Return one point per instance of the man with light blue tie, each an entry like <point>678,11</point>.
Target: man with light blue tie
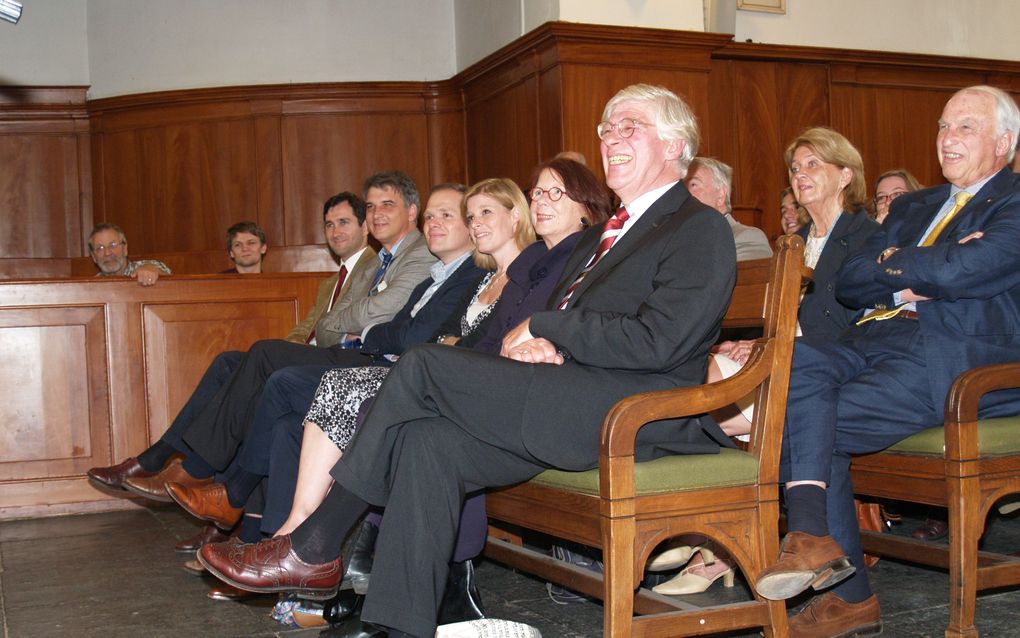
<point>938,286</point>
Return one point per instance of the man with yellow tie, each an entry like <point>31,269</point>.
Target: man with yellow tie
<point>939,288</point>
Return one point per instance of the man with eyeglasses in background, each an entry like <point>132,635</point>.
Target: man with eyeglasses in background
<point>108,247</point>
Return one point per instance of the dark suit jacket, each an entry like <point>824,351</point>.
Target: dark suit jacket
<point>643,319</point>
<point>821,314</point>
<point>404,331</point>
<point>974,316</point>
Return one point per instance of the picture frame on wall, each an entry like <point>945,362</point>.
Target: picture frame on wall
<point>766,6</point>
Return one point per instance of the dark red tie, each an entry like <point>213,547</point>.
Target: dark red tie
<point>340,277</point>
<point>609,235</point>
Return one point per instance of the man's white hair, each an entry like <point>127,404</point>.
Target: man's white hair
<point>674,119</point>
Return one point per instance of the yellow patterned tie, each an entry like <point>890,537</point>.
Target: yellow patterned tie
<point>961,200</point>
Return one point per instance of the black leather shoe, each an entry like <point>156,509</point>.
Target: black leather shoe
<point>345,604</point>
<point>358,558</point>
<point>461,600</point>
<point>932,530</point>
<point>354,628</point>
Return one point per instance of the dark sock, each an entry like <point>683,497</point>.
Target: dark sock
<point>855,589</point>
<point>154,458</point>
<point>250,529</point>
<point>196,466</point>
<point>805,510</point>
<point>240,486</point>
<point>318,540</point>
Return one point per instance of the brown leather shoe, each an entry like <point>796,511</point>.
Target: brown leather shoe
<point>208,534</point>
<point>154,487</point>
<point>829,616</point>
<point>115,475</point>
<point>804,561</point>
<point>207,502</point>
<point>931,530</point>
<point>271,566</point>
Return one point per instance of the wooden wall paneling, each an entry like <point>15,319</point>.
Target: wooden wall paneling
<point>55,415</point>
<point>758,172</point>
<point>181,339</point>
<point>444,112</point>
<point>35,268</point>
<point>502,133</point>
<point>502,119</point>
<point>551,131</point>
<point>324,154</point>
<point>130,188</point>
<point>211,183</point>
<point>804,100</point>
<point>269,171</point>
<point>41,201</point>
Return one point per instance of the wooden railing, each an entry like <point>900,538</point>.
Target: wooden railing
<point>94,370</point>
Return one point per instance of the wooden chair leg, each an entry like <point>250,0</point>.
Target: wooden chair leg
<point>768,552</point>
<point>618,559</point>
<point>965,528</point>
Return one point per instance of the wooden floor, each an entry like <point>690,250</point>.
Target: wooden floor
<point>116,575</point>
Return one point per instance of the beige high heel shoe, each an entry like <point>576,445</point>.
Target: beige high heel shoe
<point>672,558</point>
<point>688,583</point>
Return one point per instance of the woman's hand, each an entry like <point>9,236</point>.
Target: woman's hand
<point>739,351</point>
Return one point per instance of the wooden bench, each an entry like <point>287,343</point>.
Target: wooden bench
<point>627,508</point>
<point>966,466</point>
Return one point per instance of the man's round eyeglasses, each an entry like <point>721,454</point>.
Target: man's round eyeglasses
<point>624,128</point>
<point>554,194</point>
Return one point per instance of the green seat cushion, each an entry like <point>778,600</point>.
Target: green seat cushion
<point>676,473</point>
<point>995,436</point>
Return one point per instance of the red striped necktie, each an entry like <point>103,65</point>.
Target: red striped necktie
<point>609,234</point>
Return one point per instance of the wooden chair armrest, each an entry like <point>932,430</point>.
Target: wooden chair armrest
<point>619,431</point>
<point>960,423</point>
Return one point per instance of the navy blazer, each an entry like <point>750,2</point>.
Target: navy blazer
<point>404,331</point>
<point>973,317</point>
<point>821,314</point>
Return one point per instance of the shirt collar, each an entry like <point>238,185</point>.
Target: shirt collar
<point>643,202</point>
<point>440,271</point>
<point>396,247</point>
<point>973,188</point>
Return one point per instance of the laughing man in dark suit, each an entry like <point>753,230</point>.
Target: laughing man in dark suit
<point>638,316</point>
<point>956,287</point>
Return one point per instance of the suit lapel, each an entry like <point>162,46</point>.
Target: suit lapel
<point>990,192</point>
<point>834,251</point>
<point>656,214</point>
<point>919,215</point>
<point>367,263</point>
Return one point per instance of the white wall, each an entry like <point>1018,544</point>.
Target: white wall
<point>483,26</point>
<point>147,45</point>
<point>133,46</point>
<point>49,46</point>
<point>969,28</point>
<point>682,15</point>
